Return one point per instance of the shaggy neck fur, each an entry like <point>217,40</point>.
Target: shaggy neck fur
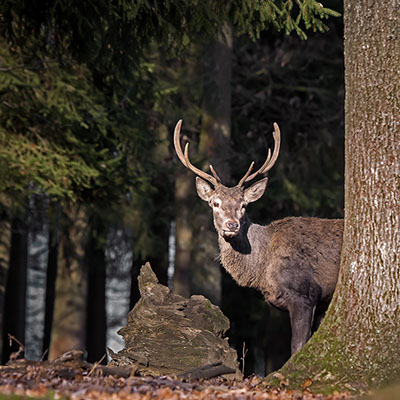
<point>238,256</point>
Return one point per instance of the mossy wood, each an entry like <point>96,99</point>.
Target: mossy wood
<point>357,347</point>
<point>168,334</point>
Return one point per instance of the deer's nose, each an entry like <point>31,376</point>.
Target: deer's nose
<point>232,226</point>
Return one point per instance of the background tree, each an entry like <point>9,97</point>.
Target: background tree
<point>357,345</point>
<point>5,246</point>
<point>96,319</point>
<point>69,327</point>
<point>15,296</point>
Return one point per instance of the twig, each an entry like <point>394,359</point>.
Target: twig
<point>244,352</point>
<point>12,337</point>
<point>44,355</point>
<point>14,356</point>
<point>96,364</point>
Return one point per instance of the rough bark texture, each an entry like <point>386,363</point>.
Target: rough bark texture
<point>358,344</point>
<point>71,285</point>
<point>167,334</point>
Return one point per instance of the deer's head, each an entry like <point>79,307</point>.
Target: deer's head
<point>228,203</point>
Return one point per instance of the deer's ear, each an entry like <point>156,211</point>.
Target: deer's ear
<point>204,190</point>
<point>255,191</point>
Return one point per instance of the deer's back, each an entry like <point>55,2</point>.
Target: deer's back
<point>300,248</point>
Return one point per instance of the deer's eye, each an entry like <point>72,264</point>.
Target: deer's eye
<point>215,204</point>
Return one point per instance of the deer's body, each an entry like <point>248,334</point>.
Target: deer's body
<point>294,262</point>
<point>289,260</point>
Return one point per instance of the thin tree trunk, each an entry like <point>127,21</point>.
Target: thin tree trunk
<point>96,321</point>
<point>15,296</point>
<point>214,148</point>
<point>358,344</point>
<point>68,329</point>
<point>184,233</point>
<point>50,286</point>
<point>5,247</point>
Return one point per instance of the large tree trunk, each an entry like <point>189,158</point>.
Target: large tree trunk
<point>68,329</point>
<point>358,346</point>
<point>15,296</point>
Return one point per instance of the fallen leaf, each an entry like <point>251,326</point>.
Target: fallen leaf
<point>307,383</point>
<point>283,381</point>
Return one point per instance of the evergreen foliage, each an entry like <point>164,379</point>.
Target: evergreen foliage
<point>77,93</point>
<point>252,17</point>
<point>59,133</point>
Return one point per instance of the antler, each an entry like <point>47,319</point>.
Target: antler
<point>184,157</point>
<point>269,162</point>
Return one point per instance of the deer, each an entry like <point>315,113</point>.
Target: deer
<point>293,261</point>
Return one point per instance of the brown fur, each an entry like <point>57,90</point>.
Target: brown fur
<point>294,262</point>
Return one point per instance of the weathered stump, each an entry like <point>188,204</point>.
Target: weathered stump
<point>167,334</point>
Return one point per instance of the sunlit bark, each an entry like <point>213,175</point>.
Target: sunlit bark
<point>358,344</point>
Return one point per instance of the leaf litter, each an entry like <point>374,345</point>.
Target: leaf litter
<point>44,380</point>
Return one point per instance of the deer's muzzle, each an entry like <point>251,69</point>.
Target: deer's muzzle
<point>231,228</point>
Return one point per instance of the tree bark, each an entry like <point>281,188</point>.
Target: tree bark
<point>68,329</point>
<point>357,346</point>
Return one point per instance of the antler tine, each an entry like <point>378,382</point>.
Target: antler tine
<point>177,144</point>
<point>246,174</point>
<point>270,161</point>
<point>185,157</point>
<point>197,171</point>
<point>277,139</point>
<point>215,174</point>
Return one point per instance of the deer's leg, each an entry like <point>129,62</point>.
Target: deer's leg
<point>301,318</point>
<point>305,294</point>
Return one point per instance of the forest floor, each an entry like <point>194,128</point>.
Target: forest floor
<point>41,380</point>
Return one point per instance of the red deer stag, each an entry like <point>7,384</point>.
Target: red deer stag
<point>294,261</point>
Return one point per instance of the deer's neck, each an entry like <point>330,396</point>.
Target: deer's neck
<point>238,255</point>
